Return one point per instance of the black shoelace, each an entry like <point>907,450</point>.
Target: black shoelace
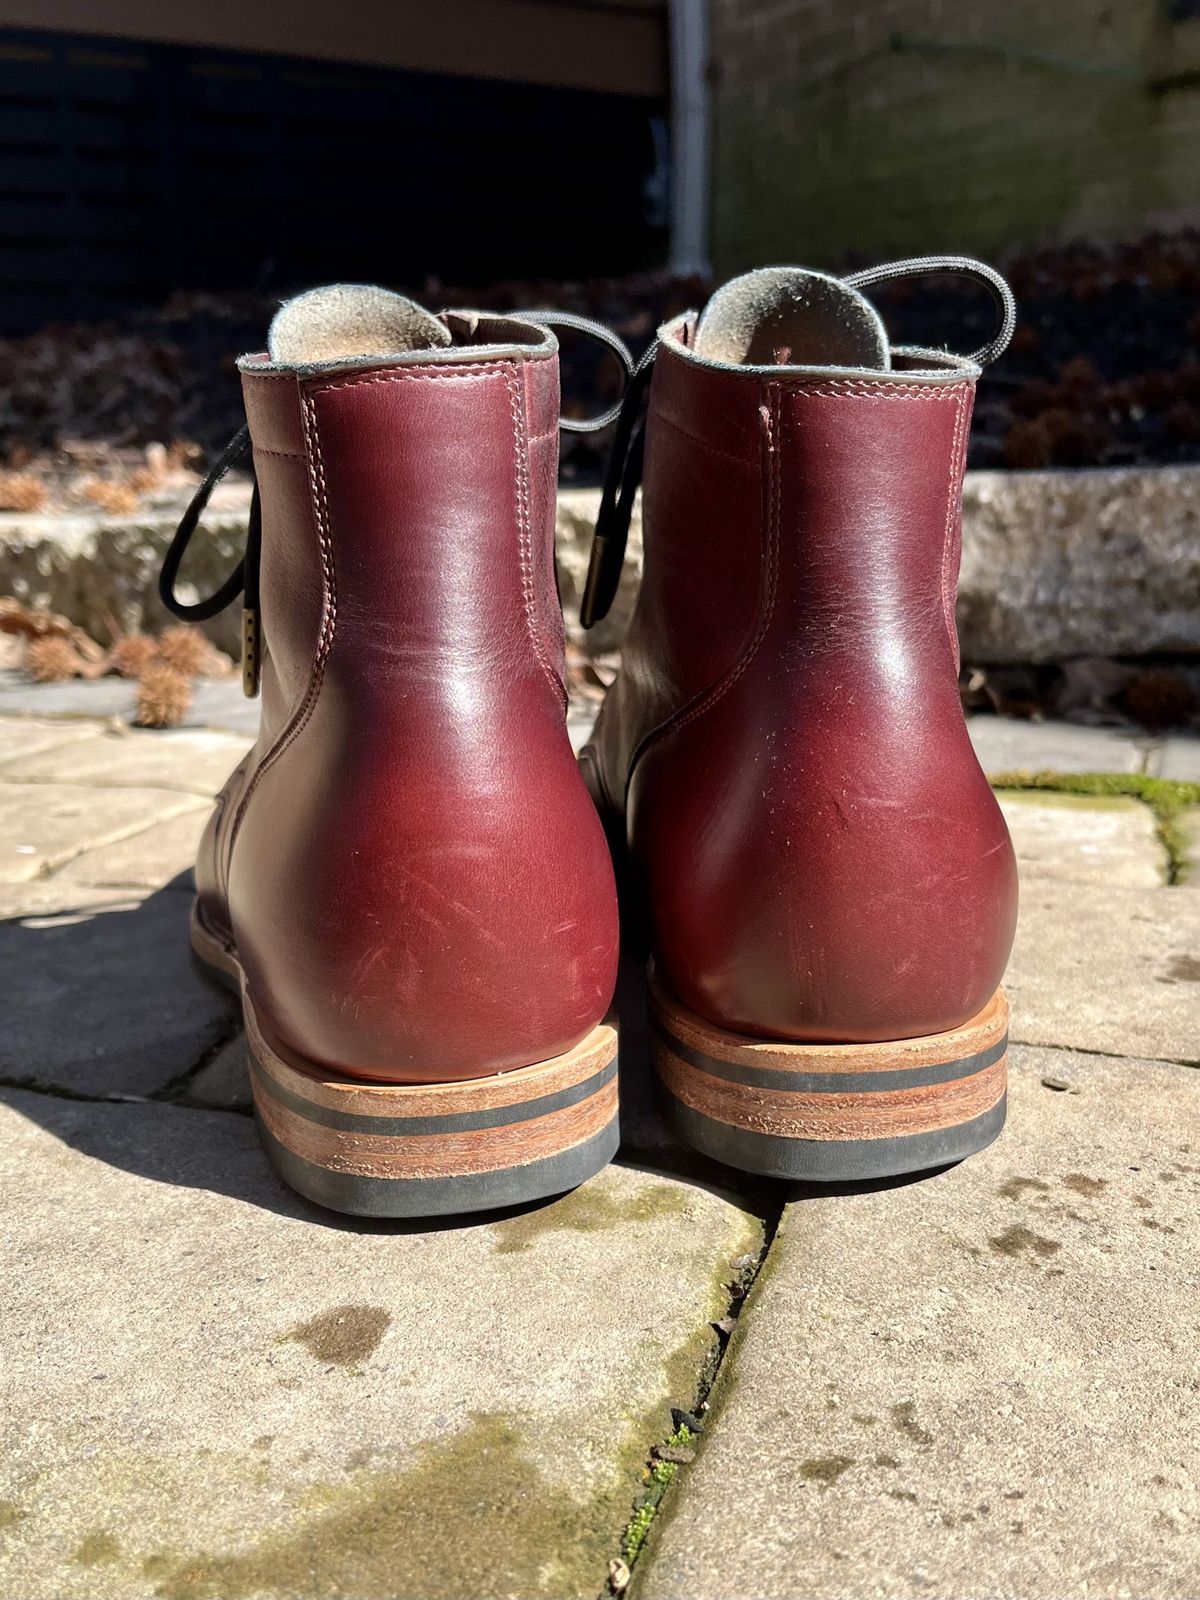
<point>243,580</point>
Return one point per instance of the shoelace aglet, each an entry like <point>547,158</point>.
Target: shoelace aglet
<point>251,654</point>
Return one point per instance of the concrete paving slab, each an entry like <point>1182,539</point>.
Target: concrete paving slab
<point>217,703</point>
<point>51,897</point>
<point>980,1384</point>
<point>1082,839</point>
<point>214,1391</point>
<point>1109,969</point>
<point>1179,758</point>
<point>105,999</point>
<point>581,718</point>
<point>45,825</point>
<point>220,703</point>
<point>28,736</point>
<point>1189,828</point>
<point>1006,745</point>
<point>196,761</point>
<point>224,1084</point>
<point>159,857</point>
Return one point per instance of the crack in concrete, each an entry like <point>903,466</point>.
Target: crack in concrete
<point>151,785</point>
<point>167,1094</point>
<point>1165,798</point>
<point>170,1092</point>
<point>65,858</point>
<point>56,1091</point>
<point>1107,1055</point>
<point>663,1472</point>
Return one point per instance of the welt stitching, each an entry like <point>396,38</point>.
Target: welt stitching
<point>525,532</point>
<point>957,454</point>
<point>711,697</point>
<point>329,615</point>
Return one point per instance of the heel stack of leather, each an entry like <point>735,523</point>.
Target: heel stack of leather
<point>831,1113</point>
<point>418,1150</point>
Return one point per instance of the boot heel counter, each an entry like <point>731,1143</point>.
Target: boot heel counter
<point>854,897</point>
<point>395,931</point>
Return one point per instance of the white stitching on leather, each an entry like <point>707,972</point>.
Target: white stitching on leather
<point>777,392</point>
<point>957,461</point>
<point>525,532</point>
<point>319,501</point>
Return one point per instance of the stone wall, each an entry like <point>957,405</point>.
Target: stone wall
<point>1055,565</point>
<point>917,125</point>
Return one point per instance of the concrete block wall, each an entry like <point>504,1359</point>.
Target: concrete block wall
<point>902,126</point>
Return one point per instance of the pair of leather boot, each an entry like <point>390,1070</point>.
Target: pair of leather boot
<point>409,877</point>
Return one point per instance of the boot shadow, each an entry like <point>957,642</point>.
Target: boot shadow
<point>109,1019</point>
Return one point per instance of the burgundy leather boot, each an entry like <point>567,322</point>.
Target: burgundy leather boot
<point>406,878</point>
<point>830,887</point>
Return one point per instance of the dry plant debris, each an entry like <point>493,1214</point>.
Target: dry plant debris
<point>163,696</point>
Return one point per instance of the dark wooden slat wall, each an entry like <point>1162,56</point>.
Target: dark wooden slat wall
<point>128,170</point>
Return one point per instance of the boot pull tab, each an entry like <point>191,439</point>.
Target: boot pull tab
<point>242,580</point>
<point>964,266</point>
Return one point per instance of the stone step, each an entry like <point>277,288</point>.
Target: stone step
<point>1055,564</point>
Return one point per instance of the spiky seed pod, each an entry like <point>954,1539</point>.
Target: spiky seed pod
<point>132,654</point>
<point>118,499</point>
<point>21,491</point>
<point>163,696</point>
<point>52,660</point>
<point>186,649</point>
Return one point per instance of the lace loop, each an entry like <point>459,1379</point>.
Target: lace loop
<point>243,580</point>
<point>202,610</point>
<point>602,335</point>
<point>965,266</point>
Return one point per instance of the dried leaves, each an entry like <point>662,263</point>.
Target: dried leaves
<point>1092,690</point>
<point>52,659</point>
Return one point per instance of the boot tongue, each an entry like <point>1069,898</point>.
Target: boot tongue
<point>785,316</point>
<point>351,320</point>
